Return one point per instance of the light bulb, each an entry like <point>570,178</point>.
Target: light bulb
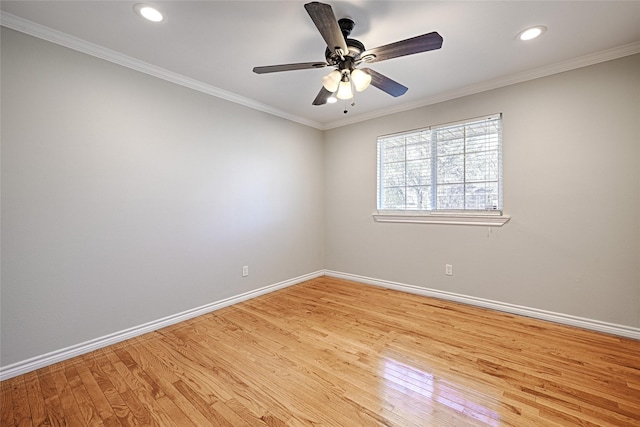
<point>344,90</point>
<point>361,79</point>
<point>149,12</point>
<point>532,33</point>
<point>331,81</point>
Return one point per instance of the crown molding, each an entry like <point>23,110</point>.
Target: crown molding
<point>536,73</point>
<point>54,36</point>
<point>40,31</point>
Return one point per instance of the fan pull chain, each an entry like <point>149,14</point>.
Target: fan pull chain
<point>353,102</point>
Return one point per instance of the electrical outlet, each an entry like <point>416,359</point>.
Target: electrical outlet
<point>245,271</point>
<point>448,269</point>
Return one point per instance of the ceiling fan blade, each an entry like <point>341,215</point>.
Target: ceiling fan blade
<point>288,67</point>
<point>418,44</point>
<point>322,97</point>
<point>322,15</point>
<point>385,84</point>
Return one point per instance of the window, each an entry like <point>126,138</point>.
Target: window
<point>448,169</point>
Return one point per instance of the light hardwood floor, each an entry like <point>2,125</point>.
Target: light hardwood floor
<point>337,353</point>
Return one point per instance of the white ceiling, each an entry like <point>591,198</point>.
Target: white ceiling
<point>213,45</point>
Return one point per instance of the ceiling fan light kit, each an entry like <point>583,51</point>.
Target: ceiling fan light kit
<point>346,54</point>
<point>332,80</point>
<point>344,89</point>
<point>361,79</point>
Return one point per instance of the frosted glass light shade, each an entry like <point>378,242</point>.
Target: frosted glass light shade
<point>361,79</point>
<point>331,81</point>
<point>344,90</point>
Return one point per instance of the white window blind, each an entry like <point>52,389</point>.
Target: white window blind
<point>452,167</point>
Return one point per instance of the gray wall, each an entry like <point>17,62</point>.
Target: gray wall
<point>571,186</point>
<point>126,198</point>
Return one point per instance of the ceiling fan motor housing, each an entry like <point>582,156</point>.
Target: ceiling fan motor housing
<point>355,49</point>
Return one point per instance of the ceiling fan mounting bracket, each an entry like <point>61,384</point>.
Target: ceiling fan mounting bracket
<point>346,26</point>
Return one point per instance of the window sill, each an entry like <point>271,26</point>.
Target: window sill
<point>491,220</point>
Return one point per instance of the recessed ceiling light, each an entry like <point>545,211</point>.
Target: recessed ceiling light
<point>148,12</point>
<point>531,33</point>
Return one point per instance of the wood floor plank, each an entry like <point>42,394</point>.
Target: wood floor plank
<point>88,412</point>
<point>73,413</point>
<point>145,393</point>
<point>334,352</point>
<point>20,410</point>
<point>53,406</point>
<point>276,384</point>
<point>280,375</point>
<point>94,392</point>
<point>118,405</point>
<point>139,411</point>
<point>6,402</point>
<point>206,408</point>
<point>36,401</point>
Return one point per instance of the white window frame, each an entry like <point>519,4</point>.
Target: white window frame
<point>493,216</point>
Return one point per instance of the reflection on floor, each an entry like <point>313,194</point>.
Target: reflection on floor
<point>412,391</point>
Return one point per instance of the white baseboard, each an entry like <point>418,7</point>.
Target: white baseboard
<point>47,359</point>
<point>565,319</point>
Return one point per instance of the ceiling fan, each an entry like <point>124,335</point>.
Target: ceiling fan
<point>345,54</point>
